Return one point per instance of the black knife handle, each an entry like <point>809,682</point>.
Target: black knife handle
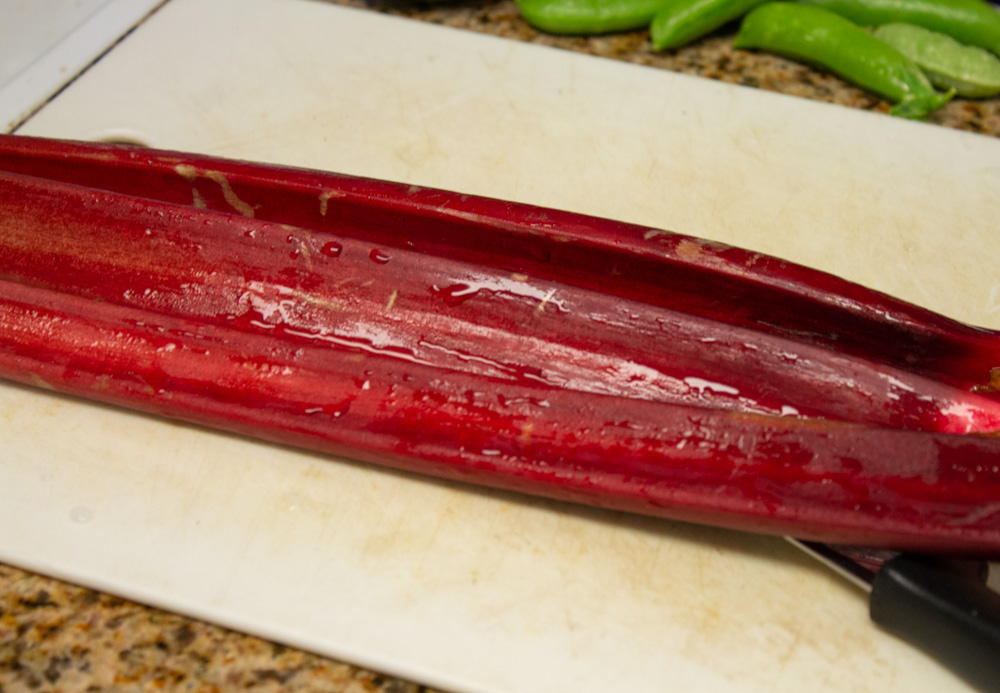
<point>945,608</point>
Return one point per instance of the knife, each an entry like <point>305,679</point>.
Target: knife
<point>942,606</point>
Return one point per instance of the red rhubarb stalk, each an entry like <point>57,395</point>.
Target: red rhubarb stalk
<point>502,344</point>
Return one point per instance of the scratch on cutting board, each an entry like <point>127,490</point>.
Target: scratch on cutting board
<point>994,302</point>
<point>418,149</point>
<point>499,83</point>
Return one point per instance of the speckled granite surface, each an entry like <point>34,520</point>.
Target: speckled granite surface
<point>58,637</point>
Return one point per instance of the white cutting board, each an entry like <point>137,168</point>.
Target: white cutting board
<point>44,45</point>
<point>464,589</point>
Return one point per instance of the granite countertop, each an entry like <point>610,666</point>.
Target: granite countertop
<point>59,637</point>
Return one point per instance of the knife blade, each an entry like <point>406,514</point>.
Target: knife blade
<point>943,606</point>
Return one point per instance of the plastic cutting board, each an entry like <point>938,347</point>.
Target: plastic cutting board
<point>465,589</point>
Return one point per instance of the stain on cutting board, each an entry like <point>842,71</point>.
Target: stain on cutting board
<point>518,554</point>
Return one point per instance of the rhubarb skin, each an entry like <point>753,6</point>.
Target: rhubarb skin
<point>500,344</point>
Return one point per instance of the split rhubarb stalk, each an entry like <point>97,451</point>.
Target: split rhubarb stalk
<point>501,344</point>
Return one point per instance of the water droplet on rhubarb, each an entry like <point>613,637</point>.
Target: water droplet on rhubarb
<point>455,294</point>
<point>332,249</point>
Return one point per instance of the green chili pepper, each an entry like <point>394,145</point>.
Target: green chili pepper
<point>823,38</point>
<point>588,16</point>
<point>680,22</point>
<point>970,71</point>
<point>972,22</point>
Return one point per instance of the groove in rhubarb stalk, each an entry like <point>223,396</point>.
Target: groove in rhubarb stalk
<point>263,277</point>
<point>507,345</point>
<point>697,464</point>
<point>689,274</point>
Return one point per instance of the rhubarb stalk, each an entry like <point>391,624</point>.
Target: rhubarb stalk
<point>497,343</point>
